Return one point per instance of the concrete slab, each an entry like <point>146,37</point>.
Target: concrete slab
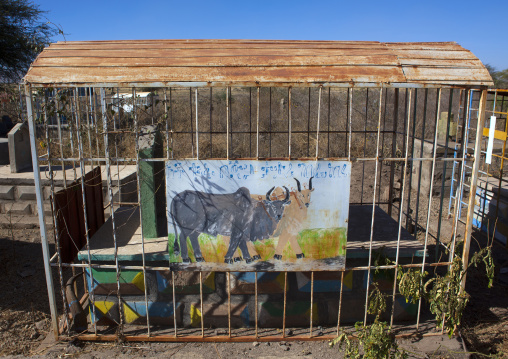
<point>129,241</point>
<point>27,177</point>
<point>26,193</point>
<point>7,192</point>
<point>4,151</point>
<point>19,208</point>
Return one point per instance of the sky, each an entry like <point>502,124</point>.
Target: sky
<point>475,25</point>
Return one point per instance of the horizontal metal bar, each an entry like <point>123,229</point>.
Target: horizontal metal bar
<point>255,84</point>
<point>171,267</point>
<point>224,338</point>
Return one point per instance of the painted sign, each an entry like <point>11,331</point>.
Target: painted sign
<point>258,215</point>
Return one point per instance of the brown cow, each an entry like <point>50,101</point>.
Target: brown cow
<point>292,221</point>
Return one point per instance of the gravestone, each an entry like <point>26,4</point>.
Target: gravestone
<point>152,187</point>
<point>20,155</point>
<point>443,124</point>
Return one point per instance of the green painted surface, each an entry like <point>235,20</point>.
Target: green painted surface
<point>109,275</point>
<point>147,190</point>
<point>151,187</point>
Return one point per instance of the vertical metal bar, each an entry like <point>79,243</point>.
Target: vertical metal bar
<point>270,124</point>
<point>94,108</point>
<point>311,301</point>
<point>373,206</point>
<point>382,144</point>
<point>197,123</point>
<point>250,121</point>
<point>59,129</point>
<point>289,123</point>
<point>422,142</point>
<point>318,118</point>
<point>229,304</point>
<point>256,302</point>
<point>402,196</point>
<point>430,197</point>
<point>166,122</point>
<point>227,123</point>
<point>347,121</point>
<point>257,124</point>
<point>171,122</point>
<point>174,301</point>
<point>340,301</point>
<point>54,215</point>
<point>211,122</point>
<point>350,116</point>
<point>394,150</point>
<point>285,304</point>
<point>408,213</point>
<point>87,233</point>
<point>474,177</point>
<point>440,219</point>
<point>364,141</point>
<point>201,302</point>
<point>40,211</point>
<point>308,127</point>
<point>116,126</point>
<point>329,105</point>
<point>136,130</point>
<point>191,129</point>
<point>112,211</point>
<point>87,112</point>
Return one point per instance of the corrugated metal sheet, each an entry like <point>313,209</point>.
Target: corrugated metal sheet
<point>238,62</point>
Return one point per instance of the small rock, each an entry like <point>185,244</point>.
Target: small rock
<point>267,344</point>
<point>40,324</point>
<point>287,348</point>
<point>255,344</point>
<point>34,336</point>
<point>320,333</point>
<point>289,332</point>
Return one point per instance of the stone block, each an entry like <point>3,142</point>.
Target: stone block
<point>46,206</point>
<point>185,282</point>
<point>324,282</point>
<point>217,315</point>
<point>268,282</point>
<point>26,193</point>
<point>7,192</point>
<point>4,151</point>
<point>20,155</point>
<point>18,208</point>
<point>47,191</point>
<point>443,126</point>
<point>297,313</point>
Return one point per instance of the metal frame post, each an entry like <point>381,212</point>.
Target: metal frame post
<point>40,210</point>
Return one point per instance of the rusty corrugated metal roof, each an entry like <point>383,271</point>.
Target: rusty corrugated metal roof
<point>237,62</point>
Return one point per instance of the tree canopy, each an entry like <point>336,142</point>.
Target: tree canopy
<point>24,32</point>
<point>500,77</point>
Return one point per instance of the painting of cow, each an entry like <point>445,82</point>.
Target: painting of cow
<point>236,214</point>
<point>292,222</point>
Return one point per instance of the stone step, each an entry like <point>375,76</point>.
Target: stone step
<point>22,222</point>
<point>7,192</point>
<point>16,208</point>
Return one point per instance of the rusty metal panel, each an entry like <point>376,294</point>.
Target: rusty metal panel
<point>296,74</point>
<point>70,216</point>
<point>262,61</point>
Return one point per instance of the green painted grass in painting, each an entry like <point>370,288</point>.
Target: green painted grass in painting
<point>315,244</point>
